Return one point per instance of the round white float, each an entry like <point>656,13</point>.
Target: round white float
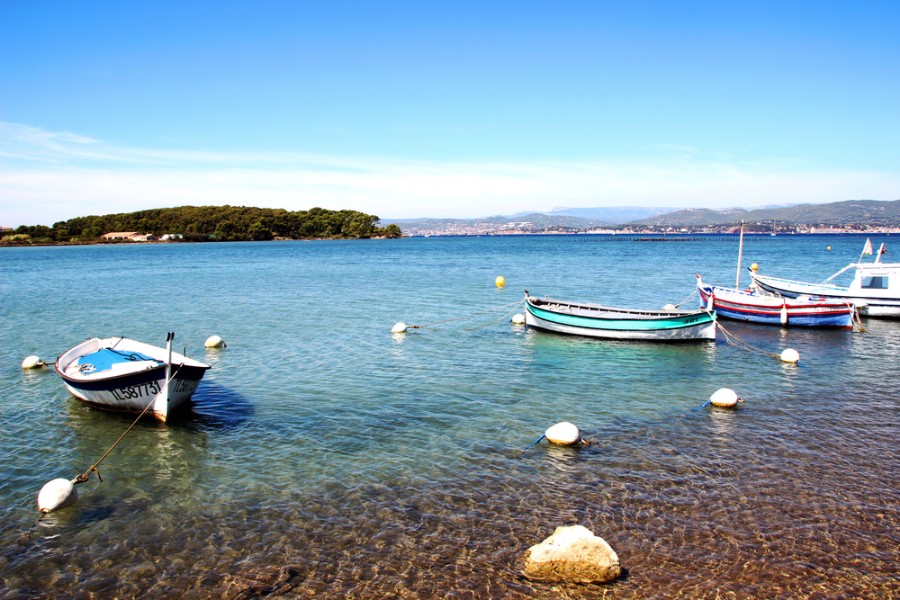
<point>790,356</point>
<point>563,434</point>
<point>518,319</point>
<point>214,341</point>
<point>725,398</point>
<point>56,494</point>
<point>399,327</point>
<point>33,362</point>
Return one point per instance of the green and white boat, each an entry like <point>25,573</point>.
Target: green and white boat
<point>594,320</point>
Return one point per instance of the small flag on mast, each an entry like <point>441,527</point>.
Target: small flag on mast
<point>867,249</point>
<point>881,251</point>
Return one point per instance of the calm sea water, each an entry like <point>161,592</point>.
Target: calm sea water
<point>325,457</point>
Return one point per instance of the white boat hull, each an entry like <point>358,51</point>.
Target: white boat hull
<point>597,321</point>
<point>144,380</point>
<point>869,302</point>
<point>753,307</point>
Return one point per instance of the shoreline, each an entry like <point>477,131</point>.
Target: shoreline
<point>644,236</point>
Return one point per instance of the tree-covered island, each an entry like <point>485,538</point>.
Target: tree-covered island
<point>208,224</point>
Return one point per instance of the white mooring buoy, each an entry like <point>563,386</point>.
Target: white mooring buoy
<point>56,494</point>
<point>518,319</point>
<point>790,356</point>
<point>563,434</point>
<point>33,362</point>
<point>725,398</point>
<point>214,341</point>
<point>399,327</point>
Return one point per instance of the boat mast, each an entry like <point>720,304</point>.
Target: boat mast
<point>737,282</point>
<point>169,337</point>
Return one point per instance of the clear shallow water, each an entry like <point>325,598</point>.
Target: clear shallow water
<point>325,457</point>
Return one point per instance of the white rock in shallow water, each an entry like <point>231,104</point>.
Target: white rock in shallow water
<point>563,434</point>
<point>573,554</point>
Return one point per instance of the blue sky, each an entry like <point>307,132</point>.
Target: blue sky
<point>444,109</point>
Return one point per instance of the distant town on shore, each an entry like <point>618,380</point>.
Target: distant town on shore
<point>230,223</point>
<point>851,216</point>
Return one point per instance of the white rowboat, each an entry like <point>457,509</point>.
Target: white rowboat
<point>124,375</point>
<point>594,320</point>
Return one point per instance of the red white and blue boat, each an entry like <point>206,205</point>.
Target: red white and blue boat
<point>875,288</point>
<point>124,375</point>
<point>755,306</point>
<point>594,320</point>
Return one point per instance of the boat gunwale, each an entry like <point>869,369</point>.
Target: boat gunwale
<point>794,305</point>
<point>667,326</point>
<point>97,377</point>
<point>626,313</point>
<point>834,292</point>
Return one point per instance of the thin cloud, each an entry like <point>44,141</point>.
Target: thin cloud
<point>53,176</point>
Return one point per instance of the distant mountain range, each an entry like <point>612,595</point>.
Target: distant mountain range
<point>847,213</point>
<point>615,215</point>
<point>873,213</point>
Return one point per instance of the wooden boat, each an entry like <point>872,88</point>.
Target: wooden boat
<point>754,306</point>
<point>124,375</point>
<point>875,289</point>
<point>593,320</point>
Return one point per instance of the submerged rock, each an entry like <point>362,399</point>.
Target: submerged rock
<point>572,555</point>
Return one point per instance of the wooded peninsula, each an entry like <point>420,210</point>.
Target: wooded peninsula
<point>208,224</point>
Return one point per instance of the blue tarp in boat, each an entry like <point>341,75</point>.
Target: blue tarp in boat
<point>105,358</point>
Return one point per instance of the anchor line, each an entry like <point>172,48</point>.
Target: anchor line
<point>94,467</point>
<point>514,305</point>
<point>502,318</point>
<point>856,319</point>
<point>734,340</point>
<point>688,299</point>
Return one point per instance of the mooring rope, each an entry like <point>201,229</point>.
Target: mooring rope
<point>534,443</point>
<point>855,319</point>
<point>94,467</point>
<point>470,315</point>
<point>734,340</point>
<point>504,317</point>
<point>688,299</point>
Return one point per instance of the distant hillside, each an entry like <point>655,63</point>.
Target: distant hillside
<point>537,220</point>
<point>212,223</point>
<point>612,215</point>
<point>850,212</point>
